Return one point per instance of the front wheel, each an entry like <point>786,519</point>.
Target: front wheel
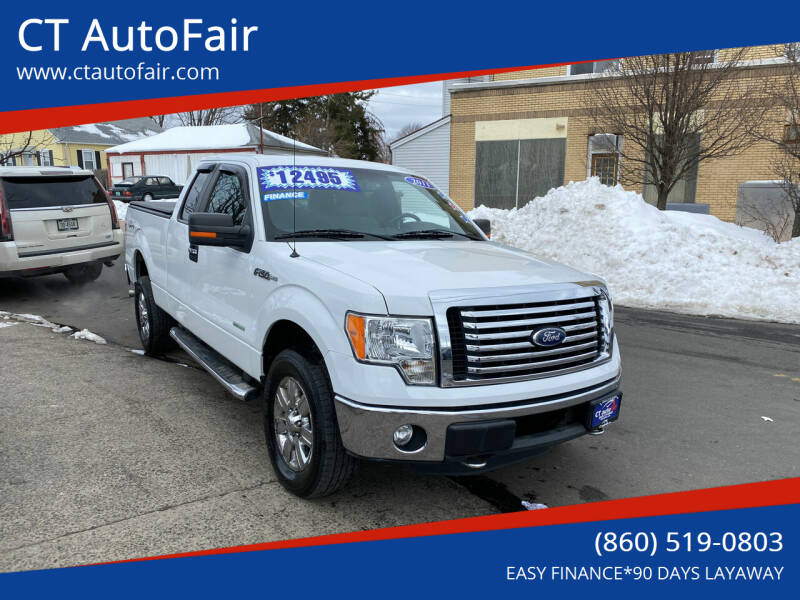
<point>300,425</point>
<point>83,273</point>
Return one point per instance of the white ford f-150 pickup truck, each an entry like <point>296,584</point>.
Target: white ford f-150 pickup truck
<point>373,318</point>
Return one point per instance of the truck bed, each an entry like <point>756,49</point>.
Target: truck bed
<point>160,209</point>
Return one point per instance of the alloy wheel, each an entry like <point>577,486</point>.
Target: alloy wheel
<point>294,434</point>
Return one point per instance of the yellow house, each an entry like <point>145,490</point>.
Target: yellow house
<point>515,135</point>
<point>77,146</point>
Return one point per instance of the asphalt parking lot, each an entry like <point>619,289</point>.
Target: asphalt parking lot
<point>106,454</point>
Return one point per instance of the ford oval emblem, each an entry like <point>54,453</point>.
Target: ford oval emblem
<point>549,336</point>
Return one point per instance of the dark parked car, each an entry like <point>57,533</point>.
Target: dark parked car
<point>145,187</point>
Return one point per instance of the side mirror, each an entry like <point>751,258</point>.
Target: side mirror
<point>485,225</point>
<point>215,229</point>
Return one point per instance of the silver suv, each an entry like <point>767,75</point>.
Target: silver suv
<point>56,220</point>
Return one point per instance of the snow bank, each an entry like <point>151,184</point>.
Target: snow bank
<point>669,260</point>
<point>85,334</point>
<point>8,318</point>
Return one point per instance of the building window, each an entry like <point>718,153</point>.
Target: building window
<point>604,157</point>
<point>598,66</point>
<point>28,159</point>
<point>127,170</point>
<point>510,173</point>
<point>46,158</point>
<point>791,134</point>
<point>684,191</point>
<point>88,160</point>
<point>604,167</point>
<point>705,57</point>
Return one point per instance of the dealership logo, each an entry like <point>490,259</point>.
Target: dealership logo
<point>549,336</point>
<point>607,409</point>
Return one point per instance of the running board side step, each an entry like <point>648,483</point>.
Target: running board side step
<point>222,370</point>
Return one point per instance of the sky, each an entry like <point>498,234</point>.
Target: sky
<point>398,106</point>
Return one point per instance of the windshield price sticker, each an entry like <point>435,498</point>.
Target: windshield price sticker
<point>289,177</point>
<point>420,182</point>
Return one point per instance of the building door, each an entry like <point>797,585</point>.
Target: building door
<point>127,170</point>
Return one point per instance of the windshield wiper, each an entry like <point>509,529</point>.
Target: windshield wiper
<point>329,233</point>
<point>430,233</point>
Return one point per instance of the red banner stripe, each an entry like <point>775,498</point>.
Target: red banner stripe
<point>61,116</point>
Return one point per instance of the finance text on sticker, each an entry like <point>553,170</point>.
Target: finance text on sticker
<point>285,196</point>
<point>289,177</point>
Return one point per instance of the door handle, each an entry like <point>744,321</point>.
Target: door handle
<point>193,250</point>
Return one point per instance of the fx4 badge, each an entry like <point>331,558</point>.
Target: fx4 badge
<point>265,275</point>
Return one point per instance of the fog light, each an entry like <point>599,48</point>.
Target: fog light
<point>403,435</point>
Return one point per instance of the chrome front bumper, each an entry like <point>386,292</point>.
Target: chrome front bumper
<point>367,430</point>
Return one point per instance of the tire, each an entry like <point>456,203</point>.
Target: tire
<point>147,198</point>
<point>324,467</point>
<point>83,273</point>
<point>152,323</point>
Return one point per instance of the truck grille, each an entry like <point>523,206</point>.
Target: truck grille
<point>493,342</point>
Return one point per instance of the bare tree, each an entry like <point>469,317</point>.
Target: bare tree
<point>15,146</point>
<point>783,130</point>
<point>211,116</point>
<point>159,120</point>
<point>408,129</point>
<point>675,111</point>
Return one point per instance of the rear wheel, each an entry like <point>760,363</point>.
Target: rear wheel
<point>152,322</point>
<point>300,425</point>
<point>83,273</point>
<point>147,197</point>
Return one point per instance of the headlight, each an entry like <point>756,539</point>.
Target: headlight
<point>407,344</point>
<point>606,317</point>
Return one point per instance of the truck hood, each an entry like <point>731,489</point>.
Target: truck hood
<point>406,272</point>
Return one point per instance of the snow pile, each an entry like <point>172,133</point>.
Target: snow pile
<point>669,260</point>
<point>8,318</point>
<point>27,318</point>
<point>85,334</point>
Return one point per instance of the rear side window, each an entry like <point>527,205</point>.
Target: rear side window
<point>51,192</point>
<point>193,195</point>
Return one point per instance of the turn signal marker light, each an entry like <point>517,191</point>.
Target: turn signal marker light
<point>355,331</point>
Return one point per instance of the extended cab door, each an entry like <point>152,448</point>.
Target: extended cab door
<point>219,281</point>
<point>180,265</point>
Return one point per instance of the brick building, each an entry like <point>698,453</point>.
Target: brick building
<point>519,134</point>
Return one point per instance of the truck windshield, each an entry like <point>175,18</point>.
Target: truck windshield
<point>338,203</point>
